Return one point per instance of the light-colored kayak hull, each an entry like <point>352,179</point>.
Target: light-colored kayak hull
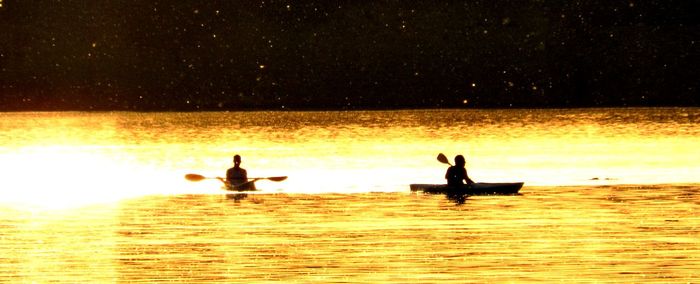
<point>480,188</point>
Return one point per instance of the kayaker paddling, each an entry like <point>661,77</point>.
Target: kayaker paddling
<point>455,189</point>
<point>237,177</point>
<point>457,174</point>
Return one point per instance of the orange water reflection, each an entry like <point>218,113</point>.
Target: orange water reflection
<point>100,197</point>
<point>71,159</point>
<point>581,234</point>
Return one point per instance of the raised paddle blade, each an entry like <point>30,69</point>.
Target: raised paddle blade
<point>276,178</point>
<point>194,177</point>
<point>441,157</point>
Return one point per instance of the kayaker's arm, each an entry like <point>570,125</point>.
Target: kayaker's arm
<point>466,178</point>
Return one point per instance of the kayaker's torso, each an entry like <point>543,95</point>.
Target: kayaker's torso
<point>455,175</point>
<point>236,176</point>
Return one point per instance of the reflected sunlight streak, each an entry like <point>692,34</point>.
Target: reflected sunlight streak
<point>64,160</point>
<point>64,177</point>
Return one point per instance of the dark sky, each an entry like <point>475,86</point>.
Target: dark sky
<point>227,54</point>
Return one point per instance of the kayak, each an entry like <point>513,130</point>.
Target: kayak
<point>479,188</point>
<point>248,186</point>
<point>236,189</point>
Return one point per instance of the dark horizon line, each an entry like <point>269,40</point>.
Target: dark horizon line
<point>321,109</point>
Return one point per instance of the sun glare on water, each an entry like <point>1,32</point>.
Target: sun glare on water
<point>70,160</point>
<point>64,178</point>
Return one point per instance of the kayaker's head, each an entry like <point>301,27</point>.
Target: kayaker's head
<point>237,160</point>
<point>459,161</point>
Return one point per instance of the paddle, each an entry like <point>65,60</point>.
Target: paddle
<point>196,177</point>
<point>443,159</point>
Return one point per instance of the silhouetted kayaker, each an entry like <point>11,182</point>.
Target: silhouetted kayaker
<point>238,177</point>
<point>458,173</point>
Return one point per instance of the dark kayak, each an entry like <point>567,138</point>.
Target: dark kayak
<point>480,188</point>
<point>248,186</point>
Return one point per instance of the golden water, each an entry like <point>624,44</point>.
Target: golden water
<point>611,195</point>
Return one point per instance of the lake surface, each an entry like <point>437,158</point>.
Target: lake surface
<point>611,195</point>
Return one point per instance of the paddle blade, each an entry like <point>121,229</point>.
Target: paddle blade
<point>194,177</point>
<point>441,157</point>
<point>277,178</point>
